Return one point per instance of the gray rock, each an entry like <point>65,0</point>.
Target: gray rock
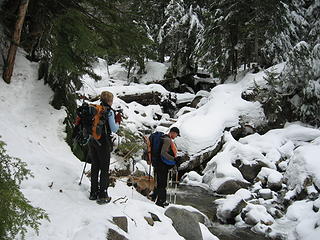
<point>265,194</point>
<point>231,186</point>
<point>229,217</point>
<point>249,172</point>
<point>195,101</point>
<point>154,217</point>
<point>114,235</point>
<point>276,186</point>
<point>149,220</point>
<point>200,218</point>
<point>185,222</point>
<point>121,222</point>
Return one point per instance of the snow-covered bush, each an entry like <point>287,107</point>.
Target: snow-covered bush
<point>295,93</point>
<point>300,80</point>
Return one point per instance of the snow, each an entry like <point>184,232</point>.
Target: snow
<point>34,132</point>
<point>227,205</point>
<point>304,164</point>
<point>257,214</point>
<point>222,110</point>
<point>155,72</point>
<point>206,234</point>
<point>219,170</point>
<point>271,175</point>
<point>306,219</point>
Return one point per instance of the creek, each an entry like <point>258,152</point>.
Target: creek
<point>202,200</point>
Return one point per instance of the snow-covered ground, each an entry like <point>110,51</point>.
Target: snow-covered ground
<point>34,132</point>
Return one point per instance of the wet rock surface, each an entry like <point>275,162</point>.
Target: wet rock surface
<point>203,200</point>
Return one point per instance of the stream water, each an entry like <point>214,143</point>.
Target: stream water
<point>202,200</point>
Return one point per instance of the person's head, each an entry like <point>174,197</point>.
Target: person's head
<point>106,97</point>
<point>174,132</point>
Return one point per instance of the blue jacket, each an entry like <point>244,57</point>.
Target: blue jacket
<point>112,123</point>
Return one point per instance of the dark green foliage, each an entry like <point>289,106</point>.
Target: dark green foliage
<point>130,144</point>
<point>16,211</point>
<point>179,35</point>
<point>243,32</point>
<point>276,106</point>
<point>301,80</point>
<point>295,93</point>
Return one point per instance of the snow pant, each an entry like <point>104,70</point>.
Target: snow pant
<point>100,155</point>
<point>162,176</point>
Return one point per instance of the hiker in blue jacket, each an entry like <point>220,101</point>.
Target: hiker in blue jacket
<point>100,150</point>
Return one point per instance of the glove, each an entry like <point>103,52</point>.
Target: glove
<point>118,118</point>
<point>178,161</point>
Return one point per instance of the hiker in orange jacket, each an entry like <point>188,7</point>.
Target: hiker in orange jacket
<point>100,150</point>
<point>168,160</point>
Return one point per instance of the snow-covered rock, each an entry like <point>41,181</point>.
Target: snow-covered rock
<point>272,178</point>
<point>232,205</point>
<point>253,214</point>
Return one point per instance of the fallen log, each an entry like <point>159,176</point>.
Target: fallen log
<point>144,99</point>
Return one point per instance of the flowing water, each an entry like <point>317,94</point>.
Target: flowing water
<point>202,200</point>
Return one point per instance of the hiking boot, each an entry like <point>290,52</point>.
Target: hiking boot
<point>93,196</point>
<point>162,204</point>
<point>103,200</point>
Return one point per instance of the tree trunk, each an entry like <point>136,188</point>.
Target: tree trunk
<point>15,41</point>
<point>256,47</point>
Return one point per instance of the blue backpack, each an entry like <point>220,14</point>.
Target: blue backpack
<point>156,140</point>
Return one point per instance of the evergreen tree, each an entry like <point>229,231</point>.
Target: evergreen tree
<point>273,101</point>
<point>287,27</point>
<point>313,16</point>
<point>152,17</point>
<point>301,80</point>
<point>181,30</point>
<point>16,211</point>
<point>224,30</point>
<point>241,32</point>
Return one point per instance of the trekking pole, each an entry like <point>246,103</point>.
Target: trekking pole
<point>175,188</point>
<point>170,176</point>
<point>84,168</point>
<point>168,183</point>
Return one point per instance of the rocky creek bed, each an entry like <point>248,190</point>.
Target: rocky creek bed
<point>202,200</point>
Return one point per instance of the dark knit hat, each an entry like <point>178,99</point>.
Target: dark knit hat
<point>176,130</point>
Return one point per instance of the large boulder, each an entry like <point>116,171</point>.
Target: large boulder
<point>185,222</point>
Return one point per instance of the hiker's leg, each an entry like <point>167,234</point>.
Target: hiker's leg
<point>94,169</point>
<point>155,190</point>
<point>104,162</point>
<point>162,175</point>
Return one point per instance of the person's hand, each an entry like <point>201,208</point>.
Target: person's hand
<point>118,118</point>
<point>178,160</point>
